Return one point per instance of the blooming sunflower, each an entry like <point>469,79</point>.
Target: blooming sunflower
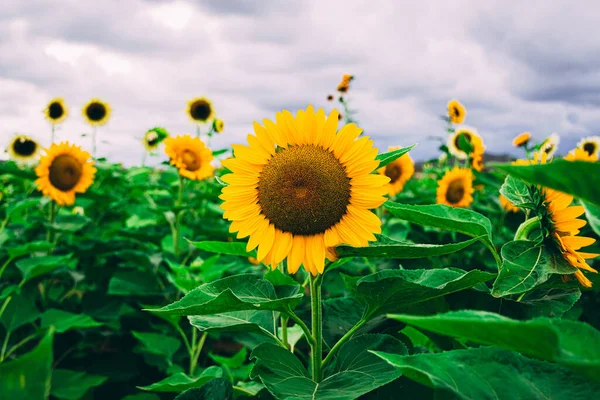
<point>456,188</point>
<point>96,112</point>
<point>218,125</point>
<point>199,109</point>
<point>399,172</point>
<point>301,188</point>
<point>23,149</point>
<point>591,145</point>
<point>344,85</point>
<point>456,112</point>
<point>64,170</point>
<point>154,137</point>
<point>56,111</point>
<point>522,139</point>
<point>507,205</point>
<point>470,135</point>
<point>190,155</point>
<point>550,145</point>
<point>580,154</point>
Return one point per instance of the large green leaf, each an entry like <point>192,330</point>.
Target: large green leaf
<point>218,388</point>
<point>230,248</point>
<point>391,156</point>
<point>19,311</point>
<point>28,377</point>
<point>527,265</point>
<point>493,373</point>
<point>29,248</point>
<point>180,381</point>
<point>133,283</point>
<point>592,213</point>
<point>390,290</point>
<point>544,302</point>
<point>516,191</point>
<point>234,293</point>
<point>63,320</point>
<point>575,344</point>
<point>160,345</point>
<point>564,176</point>
<point>36,266</point>
<point>73,385</point>
<point>263,322</point>
<point>354,372</point>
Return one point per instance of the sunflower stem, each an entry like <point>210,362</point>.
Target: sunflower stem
<point>526,228</point>
<point>51,218</point>
<point>317,327</point>
<point>284,318</point>
<point>343,340</point>
<point>197,130</point>
<point>94,142</point>
<point>52,135</point>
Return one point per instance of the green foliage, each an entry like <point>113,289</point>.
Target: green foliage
<point>386,158</point>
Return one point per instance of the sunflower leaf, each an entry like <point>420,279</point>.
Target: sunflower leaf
<point>229,248</point>
<point>517,192</point>
<point>592,213</point>
<point>180,381</point>
<point>391,156</point>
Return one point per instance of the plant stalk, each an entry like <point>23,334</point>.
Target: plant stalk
<point>178,217</point>
<point>526,227</point>
<point>51,218</point>
<point>317,327</point>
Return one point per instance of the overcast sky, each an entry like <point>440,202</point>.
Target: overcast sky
<point>517,66</point>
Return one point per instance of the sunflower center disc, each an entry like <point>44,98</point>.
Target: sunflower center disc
<point>191,161</point>
<point>200,110</point>
<point>24,147</point>
<point>393,171</point>
<point>455,192</point>
<point>65,172</point>
<point>55,111</point>
<point>589,148</point>
<point>96,111</point>
<point>304,190</point>
<point>456,112</point>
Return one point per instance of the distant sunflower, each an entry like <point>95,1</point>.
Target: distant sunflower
<point>56,111</point>
<point>64,171</point>
<point>218,125</point>
<point>96,112</point>
<point>191,156</point>
<point>399,172</point>
<point>550,145</point>
<point>471,136</point>
<point>23,149</point>
<point>344,84</point>
<point>591,145</point>
<point>301,187</point>
<point>456,188</point>
<point>477,154</point>
<point>522,139</point>
<point>456,112</point>
<point>507,205</point>
<point>199,109</point>
<point>580,154</point>
<point>154,137</point>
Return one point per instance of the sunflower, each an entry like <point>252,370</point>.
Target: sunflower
<point>96,112</point>
<point>23,149</point>
<point>344,85</point>
<point>456,112</point>
<point>66,169</point>
<point>154,137</point>
<point>580,154</point>
<point>477,153</point>
<point>591,145</point>
<point>550,145</point>
<point>56,111</point>
<point>456,188</point>
<point>507,205</point>
<point>218,125</point>
<point>301,188</point>
<point>399,172</point>
<point>522,139</point>
<point>199,109</point>
<point>454,140</point>
<point>190,156</point>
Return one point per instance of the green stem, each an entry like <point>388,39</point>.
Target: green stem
<point>302,326</point>
<point>21,343</point>
<point>343,340</point>
<point>526,227</point>
<point>5,304</point>
<point>52,135</point>
<point>317,327</point>
<point>284,330</point>
<point>186,342</point>
<point>4,346</point>
<point>197,130</point>
<point>5,265</point>
<point>94,142</point>
<point>192,351</point>
<point>198,347</point>
<point>178,217</point>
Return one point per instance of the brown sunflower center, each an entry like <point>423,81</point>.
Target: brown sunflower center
<point>24,147</point>
<point>191,160</point>
<point>304,190</point>
<point>590,148</point>
<point>456,112</point>
<point>200,110</point>
<point>455,191</point>
<point>458,137</point>
<point>548,149</point>
<point>55,110</point>
<point>95,111</point>
<point>393,171</point>
<point>65,172</point>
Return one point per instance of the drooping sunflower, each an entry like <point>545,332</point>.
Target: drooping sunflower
<point>96,112</point>
<point>199,109</point>
<point>190,155</point>
<point>344,84</point>
<point>580,154</point>
<point>56,111</point>
<point>456,112</point>
<point>456,188</point>
<point>154,137</point>
<point>301,187</point>
<point>522,139</point>
<point>64,170</point>
<point>471,136</point>
<point>218,125</point>
<point>591,145</point>
<point>399,172</point>
<point>550,145</point>
<point>23,149</point>
<point>507,205</point>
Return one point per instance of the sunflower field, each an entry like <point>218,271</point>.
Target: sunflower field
<point>302,264</point>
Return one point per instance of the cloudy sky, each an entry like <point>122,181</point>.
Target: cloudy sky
<point>517,66</point>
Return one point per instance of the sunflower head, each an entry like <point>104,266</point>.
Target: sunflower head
<point>64,170</point>
<point>461,136</point>
<point>507,205</point>
<point>218,125</point>
<point>23,149</point>
<point>399,171</point>
<point>522,139</point>
<point>456,188</point>
<point>96,112</point>
<point>154,137</point>
<point>590,145</point>
<point>199,109</point>
<point>56,111</point>
<point>301,187</point>
<point>550,145</point>
<point>456,112</point>
<point>579,154</point>
<point>344,84</point>
<point>190,155</point>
